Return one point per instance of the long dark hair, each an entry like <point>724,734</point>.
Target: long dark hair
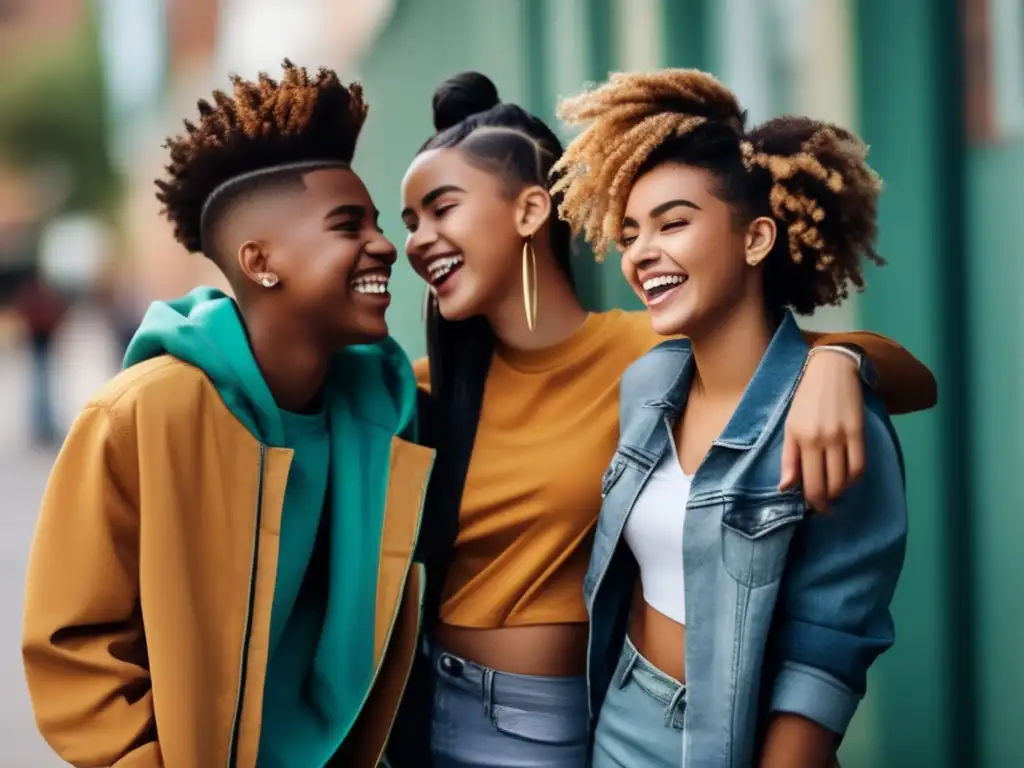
<point>504,139</point>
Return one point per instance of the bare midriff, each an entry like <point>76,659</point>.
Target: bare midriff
<point>549,650</point>
<point>658,638</point>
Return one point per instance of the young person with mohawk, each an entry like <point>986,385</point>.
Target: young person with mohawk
<point>222,570</point>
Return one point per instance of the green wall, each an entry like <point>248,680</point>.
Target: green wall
<point>952,228</point>
<point>901,47</point>
<point>996,360</point>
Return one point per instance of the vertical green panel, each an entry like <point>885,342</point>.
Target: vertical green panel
<point>687,33</point>
<point>603,48</point>
<point>996,445</point>
<point>602,55</point>
<point>535,20</point>
<point>904,56</point>
<point>538,22</point>
<point>612,290</point>
<point>422,44</point>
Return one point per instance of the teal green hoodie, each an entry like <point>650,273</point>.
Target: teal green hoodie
<point>321,663</point>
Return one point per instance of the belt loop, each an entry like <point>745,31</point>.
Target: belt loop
<point>487,683</point>
<point>634,654</point>
<point>673,703</point>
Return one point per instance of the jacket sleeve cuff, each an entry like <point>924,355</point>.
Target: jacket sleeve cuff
<point>816,695</point>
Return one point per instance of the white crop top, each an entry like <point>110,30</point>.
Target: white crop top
<point>654,533</point>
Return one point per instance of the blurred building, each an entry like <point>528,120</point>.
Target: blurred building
<point>937,89</point>
<point>24,23</point>
<point>24,199</point>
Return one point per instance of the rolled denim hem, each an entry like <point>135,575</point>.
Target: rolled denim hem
<point>816,695</point>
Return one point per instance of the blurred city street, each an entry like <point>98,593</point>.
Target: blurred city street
<point>83,360</point>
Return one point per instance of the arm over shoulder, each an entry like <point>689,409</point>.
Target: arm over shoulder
<point>904,383</point>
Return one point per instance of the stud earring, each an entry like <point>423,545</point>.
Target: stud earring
<point>268,279</point>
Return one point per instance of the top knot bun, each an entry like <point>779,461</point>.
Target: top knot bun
<point>461,96</point>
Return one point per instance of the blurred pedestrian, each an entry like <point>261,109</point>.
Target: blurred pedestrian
<point>42,310</point>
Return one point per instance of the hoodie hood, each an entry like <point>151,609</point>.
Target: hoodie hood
<point>204,328</point>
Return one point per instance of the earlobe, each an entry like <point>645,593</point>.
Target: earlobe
<point>533,207</point>
<point>253,262</point>
<point>760,240</point>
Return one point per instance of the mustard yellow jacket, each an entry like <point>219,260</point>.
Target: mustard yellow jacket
<point>199,567</point>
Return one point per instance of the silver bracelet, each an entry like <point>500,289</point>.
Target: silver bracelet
<point>835,348</point>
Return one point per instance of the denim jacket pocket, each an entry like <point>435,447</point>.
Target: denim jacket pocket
<point>567,726</point>
<point>755,537</point>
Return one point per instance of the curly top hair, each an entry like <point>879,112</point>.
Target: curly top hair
<point>811,177</point>
<point>262,125</point>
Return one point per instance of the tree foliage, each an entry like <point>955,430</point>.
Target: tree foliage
<point>52,109</point>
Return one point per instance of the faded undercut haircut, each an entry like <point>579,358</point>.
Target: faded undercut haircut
<point>262,126</point>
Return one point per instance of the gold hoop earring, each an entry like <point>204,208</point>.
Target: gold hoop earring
<point>530,283</point>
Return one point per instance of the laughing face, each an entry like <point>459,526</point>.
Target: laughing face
<point>462,235</point>
<point>332,259</point>
<point>682,251</point>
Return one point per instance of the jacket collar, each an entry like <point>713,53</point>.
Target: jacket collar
<point>769,391</point>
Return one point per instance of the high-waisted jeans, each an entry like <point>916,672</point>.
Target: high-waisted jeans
<point>484,718</point>
<point>641,719</point>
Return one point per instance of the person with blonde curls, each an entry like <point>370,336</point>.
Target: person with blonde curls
<point>729,627</point>
<point>524,387</point>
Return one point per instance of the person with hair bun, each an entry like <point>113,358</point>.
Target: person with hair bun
<point>729,626</point>
<point>524,390</point>
<point>222,569</point>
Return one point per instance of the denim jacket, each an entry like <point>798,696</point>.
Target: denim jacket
<point>785,610</point>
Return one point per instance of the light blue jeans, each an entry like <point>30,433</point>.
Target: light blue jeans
<point>484,718</point>
<point>641,719</point>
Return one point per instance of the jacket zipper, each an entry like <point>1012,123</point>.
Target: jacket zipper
<point>394,618</point>
<point>236,721</point>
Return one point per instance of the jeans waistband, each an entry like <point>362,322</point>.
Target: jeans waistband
<point>506,688</point>
<point>655,683</point>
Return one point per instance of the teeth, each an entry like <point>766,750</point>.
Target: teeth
<point>441,267</point>
<point>370,284</point>
<point>370,288</point>
<point>657,282</point>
